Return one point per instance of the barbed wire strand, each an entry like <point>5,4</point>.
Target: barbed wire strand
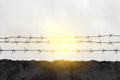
<point>116,50</point>
<point>62,42</point>
<point>64,36</point>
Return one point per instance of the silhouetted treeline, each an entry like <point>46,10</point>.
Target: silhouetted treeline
<point>59,70</point>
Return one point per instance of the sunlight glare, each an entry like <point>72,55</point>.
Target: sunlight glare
<point>62,40</point>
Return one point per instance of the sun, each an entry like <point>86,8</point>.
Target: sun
<point>61,41</point>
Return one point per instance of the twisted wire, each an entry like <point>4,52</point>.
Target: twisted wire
<point>64,36</point>
<point>62,42</point>
<point>116,50</point>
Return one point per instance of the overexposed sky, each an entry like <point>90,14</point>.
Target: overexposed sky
<point>77,17</point>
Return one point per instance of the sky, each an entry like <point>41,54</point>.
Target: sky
<point>75,17</point>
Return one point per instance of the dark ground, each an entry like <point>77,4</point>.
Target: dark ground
<point>59,70</point>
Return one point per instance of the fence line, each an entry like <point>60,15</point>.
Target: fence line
<point>42,40</point>
<point>62,42</point>
<point>64,36</point>
<point>116,50</point>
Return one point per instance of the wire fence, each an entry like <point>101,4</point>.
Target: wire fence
<point>116,50</point>
<point>62,42</point>
<point>48,40</point>
<point>64,36</point>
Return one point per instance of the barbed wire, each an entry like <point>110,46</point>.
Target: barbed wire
<point>62,42</point>
<point>116,50</point>
<point>42,40</point>
<point>64,36</point>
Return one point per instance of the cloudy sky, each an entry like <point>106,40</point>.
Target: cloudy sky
<point>78,17</point>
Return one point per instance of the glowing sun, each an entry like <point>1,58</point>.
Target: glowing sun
<point>62,40</point>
